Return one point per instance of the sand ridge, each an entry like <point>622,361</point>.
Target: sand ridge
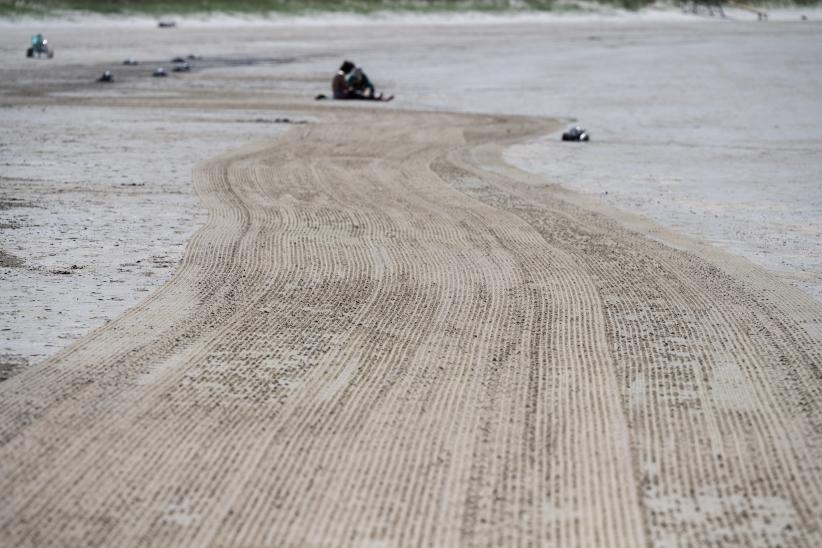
<point>384,335</point>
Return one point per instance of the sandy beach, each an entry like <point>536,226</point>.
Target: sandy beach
<point>235,316</point>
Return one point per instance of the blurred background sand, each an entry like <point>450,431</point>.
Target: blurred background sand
<point>709,127</point>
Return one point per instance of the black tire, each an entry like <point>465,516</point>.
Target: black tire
<point>30,52</point>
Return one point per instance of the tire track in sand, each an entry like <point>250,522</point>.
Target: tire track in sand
<point>719,374</point>
<point>382,336</point>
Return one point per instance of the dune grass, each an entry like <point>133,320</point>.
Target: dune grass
<point>183,7</point>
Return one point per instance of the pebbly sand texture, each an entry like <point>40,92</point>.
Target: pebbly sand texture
<point>382,333</point>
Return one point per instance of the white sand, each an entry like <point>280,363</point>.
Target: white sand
<point>385,333</point>
<point>709,127</point>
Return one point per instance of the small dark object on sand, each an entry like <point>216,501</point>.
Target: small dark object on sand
<point>192,57</point>
<point>178,60</point>
<point>131,61</point>
<point>320,97</point>
<point>107,76</point>
<point>166,24</point>
<point>182,67</point>
<point>576,133</point>
<point>160,71</point>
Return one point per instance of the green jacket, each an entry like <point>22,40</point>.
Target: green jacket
<point>359,84</point>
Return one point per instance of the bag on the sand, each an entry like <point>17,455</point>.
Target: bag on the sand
<point>576,133</point>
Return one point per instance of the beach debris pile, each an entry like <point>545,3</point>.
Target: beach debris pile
<point>576,133</point>
<point>179,64</point>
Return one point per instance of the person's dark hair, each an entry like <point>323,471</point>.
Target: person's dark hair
<point>347,66</point>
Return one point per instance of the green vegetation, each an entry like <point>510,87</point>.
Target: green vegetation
<point>181,7</point>
<point>279,6</point>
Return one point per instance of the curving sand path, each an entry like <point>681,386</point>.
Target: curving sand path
<point>385,336</point>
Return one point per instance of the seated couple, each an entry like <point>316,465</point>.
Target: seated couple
<point>351,82</point>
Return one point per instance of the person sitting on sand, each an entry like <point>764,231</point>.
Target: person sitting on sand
<point>339,85</point>
<point>359,83</point>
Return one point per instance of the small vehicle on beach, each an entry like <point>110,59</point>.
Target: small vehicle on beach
<point>576,133</point>
<point>40,46</point>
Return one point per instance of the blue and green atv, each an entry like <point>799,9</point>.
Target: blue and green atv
<point>40,46</point>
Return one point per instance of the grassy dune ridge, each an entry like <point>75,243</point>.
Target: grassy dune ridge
<point>11,7</point>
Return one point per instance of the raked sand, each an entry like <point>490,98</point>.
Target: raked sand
<point>384,333</point>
